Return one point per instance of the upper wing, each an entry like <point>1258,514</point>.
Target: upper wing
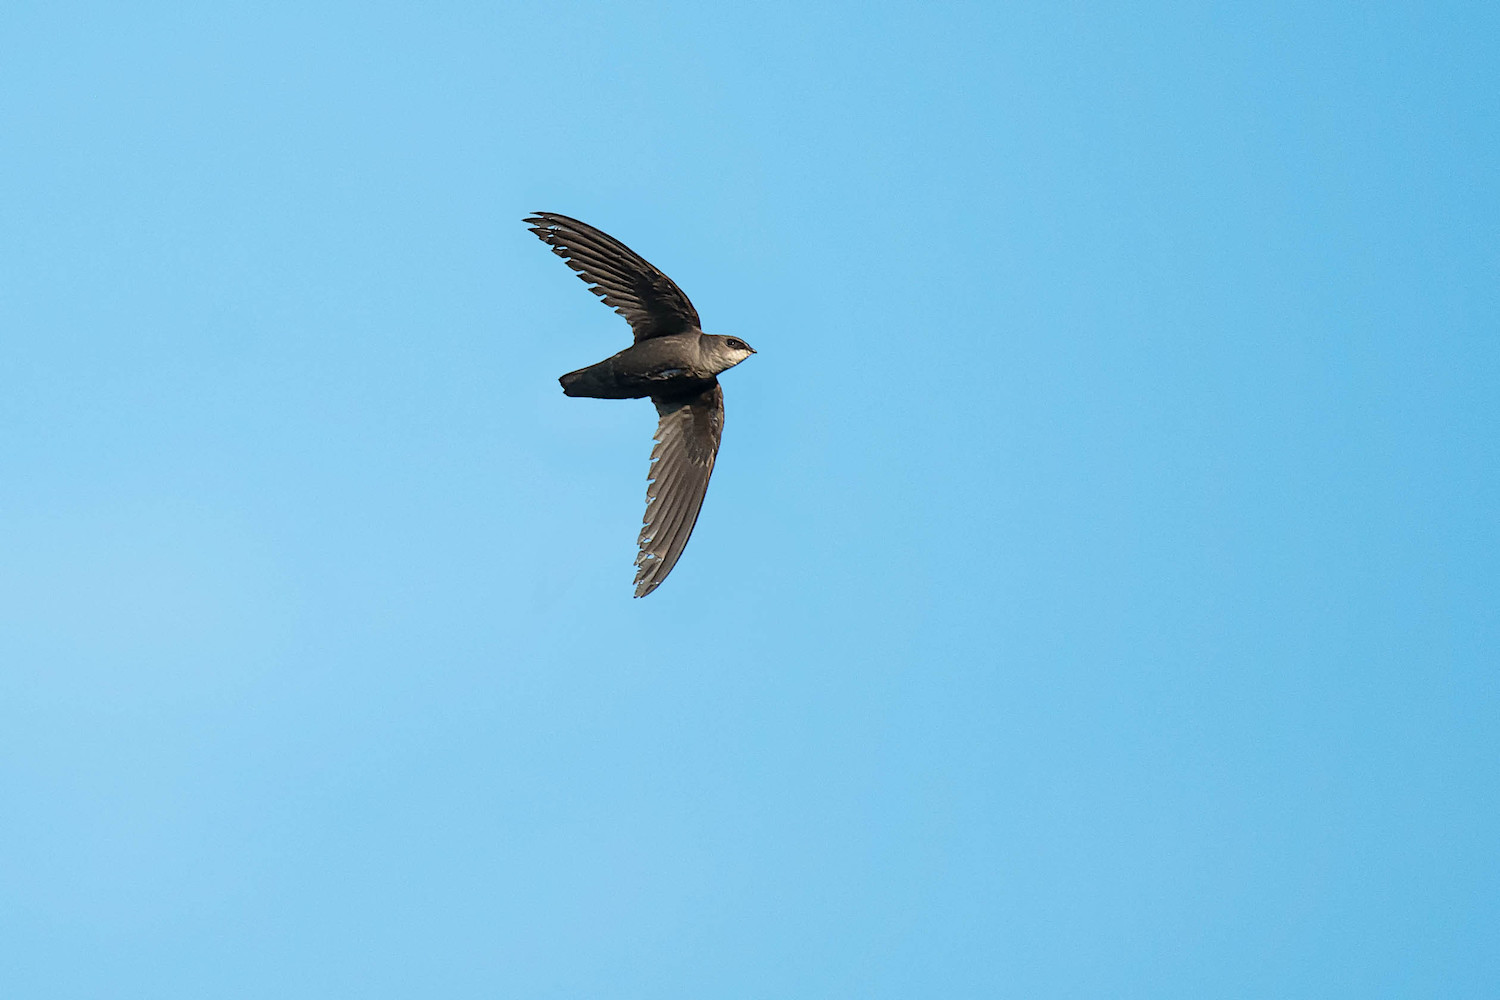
<point>687,439</point>
<point>649,301</point>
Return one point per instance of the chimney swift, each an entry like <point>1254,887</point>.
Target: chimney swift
<point>672,361</point>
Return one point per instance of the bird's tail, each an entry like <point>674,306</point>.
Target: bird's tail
<point>576,383</point>
<point>598,381</point>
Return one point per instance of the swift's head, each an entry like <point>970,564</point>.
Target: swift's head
<point>723,353</point>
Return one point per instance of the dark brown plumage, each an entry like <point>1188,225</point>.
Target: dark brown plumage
<point>672,361</point>
<point>650,301</point>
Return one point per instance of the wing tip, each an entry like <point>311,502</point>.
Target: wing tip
<point>553,220</point>
<point>543,224</point>
<point>645,580</point>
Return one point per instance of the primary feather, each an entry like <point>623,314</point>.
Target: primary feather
<point>650,301</point>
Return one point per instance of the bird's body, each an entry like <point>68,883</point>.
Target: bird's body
<point>672,365</point>
<point>672,361</point>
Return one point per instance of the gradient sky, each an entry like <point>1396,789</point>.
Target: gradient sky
<point>1096,596</point>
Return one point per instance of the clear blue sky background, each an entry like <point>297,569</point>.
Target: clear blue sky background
<point>1097,594</point>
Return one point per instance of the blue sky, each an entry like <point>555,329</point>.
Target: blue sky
<point>1096,595</point>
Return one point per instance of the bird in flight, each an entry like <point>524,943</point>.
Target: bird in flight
<point>672,361</point>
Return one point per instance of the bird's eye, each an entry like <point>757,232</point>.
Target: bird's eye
<point>737,344</point>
